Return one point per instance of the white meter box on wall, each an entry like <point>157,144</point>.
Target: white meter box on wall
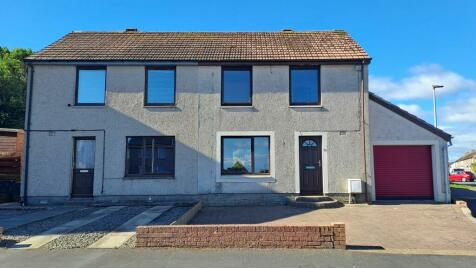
<point>354,186</point>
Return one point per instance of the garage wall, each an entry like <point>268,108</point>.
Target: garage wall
<point>389,128</point>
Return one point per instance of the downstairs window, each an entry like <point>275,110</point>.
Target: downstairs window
<point>245,155</point>
<point>150,156</point>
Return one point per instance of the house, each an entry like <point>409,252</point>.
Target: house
<point>228,118</point>
<point>466,162</point>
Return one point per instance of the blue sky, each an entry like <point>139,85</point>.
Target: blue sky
<point>413,43</point>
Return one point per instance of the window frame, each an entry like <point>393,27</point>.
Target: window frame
<point>319,91</point>
<point>236,68</point>
<point>146,86</point>
<point>223,172</point>
<point>76,90</point>
<point>152,175</point>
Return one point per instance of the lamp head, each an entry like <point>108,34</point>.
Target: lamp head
<point>437,86</point>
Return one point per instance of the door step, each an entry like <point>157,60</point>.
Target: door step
<point>314,202</point>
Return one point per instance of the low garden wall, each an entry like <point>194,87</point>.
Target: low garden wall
<point>242,236</point>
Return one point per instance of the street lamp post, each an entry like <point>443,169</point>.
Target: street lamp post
<point>435,119</point>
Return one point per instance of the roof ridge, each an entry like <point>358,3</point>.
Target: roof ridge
<point>467,155</point>
<point>213,32</point>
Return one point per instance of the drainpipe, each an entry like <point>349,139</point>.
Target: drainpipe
<point>445,175</point>
<point>31,70</point>
<point>364,142</point>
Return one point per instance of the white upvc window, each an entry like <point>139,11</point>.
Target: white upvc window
<point>245,156</point>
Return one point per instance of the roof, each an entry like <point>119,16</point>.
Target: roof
<point>420,122</point>
<point>204,47</point>
<point>10,130</point>
<point>467,156</point>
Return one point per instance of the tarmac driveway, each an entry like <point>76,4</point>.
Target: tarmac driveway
<point>423,227</point>
<point>466,195</point>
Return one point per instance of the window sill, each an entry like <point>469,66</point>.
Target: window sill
<point>246,178</point>
<point>87,106</point>
<point>161,106</point>
<point>305,106</point>
<point>236,106</point>
<point>149,178</point>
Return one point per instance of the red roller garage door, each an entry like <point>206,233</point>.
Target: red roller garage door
<point>403,172</point>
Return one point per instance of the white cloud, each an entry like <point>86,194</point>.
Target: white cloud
<point>457,116</point>
<point>417,85</point>
<point>463,111</point>
<point>413,109</point>
<point>460,116</point>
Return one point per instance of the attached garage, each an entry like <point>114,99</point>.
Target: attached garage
<point>409,156</point>
<point>403,172</point>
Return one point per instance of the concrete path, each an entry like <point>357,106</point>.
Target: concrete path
<point>50,235</point>
<point>29,217</point>
<point>230,258</point>
<point>119,236</point>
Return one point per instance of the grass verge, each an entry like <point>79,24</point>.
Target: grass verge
<point>463,186</point>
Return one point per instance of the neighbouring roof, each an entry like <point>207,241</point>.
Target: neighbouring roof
<point>10,130</point>
<point>467,156</point>
<point>204,46</point>
<point>420,122</point>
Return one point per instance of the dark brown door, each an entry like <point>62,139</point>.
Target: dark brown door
<point>83,167</point>
<point>310,165</point>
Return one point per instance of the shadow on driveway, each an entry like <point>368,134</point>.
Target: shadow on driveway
<point>466,195</point>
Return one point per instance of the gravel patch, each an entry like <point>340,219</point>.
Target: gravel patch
<point>131,243</point>
<point>166,218</point>
<point>92,232</point>
<point>19,234</point>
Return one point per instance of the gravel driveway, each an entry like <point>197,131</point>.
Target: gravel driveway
<point>92,232</point>
<point>87,234</point>
<point>16,235</point>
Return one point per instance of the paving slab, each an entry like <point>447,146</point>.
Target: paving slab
<point>427,227</point>
<point>29,217</point>
<point>52,234</point>
<point>124,232</point>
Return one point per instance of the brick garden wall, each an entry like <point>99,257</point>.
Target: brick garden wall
<point>242,236</point>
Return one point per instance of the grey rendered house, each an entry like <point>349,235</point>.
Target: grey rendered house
<point>228,118</point>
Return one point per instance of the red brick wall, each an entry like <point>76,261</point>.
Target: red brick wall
<point>242,236</point>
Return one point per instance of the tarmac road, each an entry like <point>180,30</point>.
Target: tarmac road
<point>222,258</point>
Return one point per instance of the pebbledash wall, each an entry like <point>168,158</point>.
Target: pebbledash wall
<point>196,121</point>
<point>389,128</point>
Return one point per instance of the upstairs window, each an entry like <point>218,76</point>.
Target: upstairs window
<point>236,86</point>
<point>304,86</point>
<point>150,156</point>
<point>90,86</point>
<point>245,155</point>
<point>160,86</point>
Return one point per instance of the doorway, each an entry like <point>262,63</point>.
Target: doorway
<point>310,165</point>
<point>83,166</point>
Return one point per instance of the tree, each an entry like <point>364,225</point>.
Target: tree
<point>12,87</point>
<point>473,168</point>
